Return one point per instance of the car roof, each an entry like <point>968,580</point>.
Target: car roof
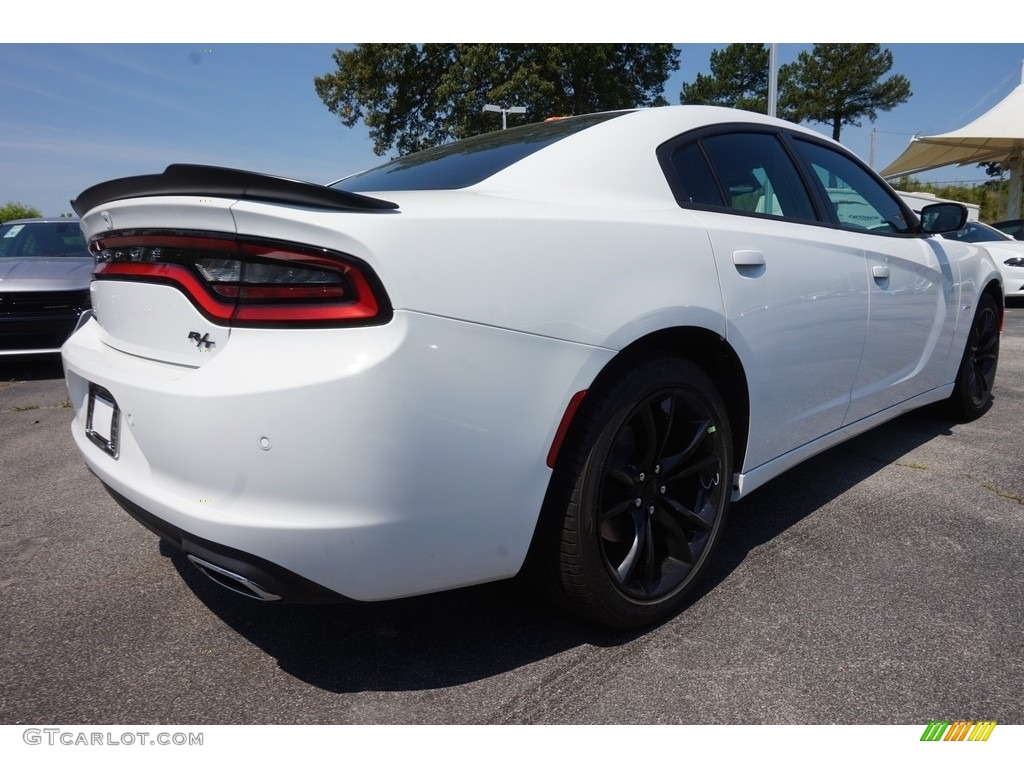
<point>567,168</point>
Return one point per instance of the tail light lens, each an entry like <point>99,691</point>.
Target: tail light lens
<point>248,282</point>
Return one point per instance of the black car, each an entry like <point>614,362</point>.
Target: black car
<point>1013,227</point>
<point>45,270</point>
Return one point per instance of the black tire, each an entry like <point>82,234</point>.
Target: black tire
<point>972,393</point>
<point>640,494</point>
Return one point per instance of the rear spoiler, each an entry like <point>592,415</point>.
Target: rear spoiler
<point>213,181</point>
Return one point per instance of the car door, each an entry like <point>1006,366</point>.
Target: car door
<point>910,287</point>
<point>794,287</point>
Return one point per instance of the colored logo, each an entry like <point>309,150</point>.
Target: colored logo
<point>958,730</point>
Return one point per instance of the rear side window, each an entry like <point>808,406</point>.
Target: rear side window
<point>748,172</point>
<point>697,185</point>
<point>467,162</point>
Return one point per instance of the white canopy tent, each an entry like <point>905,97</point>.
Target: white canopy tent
<point>995,137</point>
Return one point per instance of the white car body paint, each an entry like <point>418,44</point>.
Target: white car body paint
<point>410,457</point>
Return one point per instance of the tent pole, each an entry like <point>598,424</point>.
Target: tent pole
<point>1015,183</point>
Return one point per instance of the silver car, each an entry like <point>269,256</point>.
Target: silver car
<point>45,269</point>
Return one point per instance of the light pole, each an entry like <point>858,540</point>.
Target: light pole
<point>505,112</point>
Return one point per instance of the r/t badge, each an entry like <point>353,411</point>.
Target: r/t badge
<point>203,342</point>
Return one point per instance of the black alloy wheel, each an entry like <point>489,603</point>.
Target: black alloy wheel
<point>646,485</point>
<point>976,378</point>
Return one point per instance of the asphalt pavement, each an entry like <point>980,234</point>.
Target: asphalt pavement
<point>880,582</point>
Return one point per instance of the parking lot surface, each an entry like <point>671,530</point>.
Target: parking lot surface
<point>880,582</point>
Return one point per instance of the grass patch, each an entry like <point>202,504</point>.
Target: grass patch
<point>1003,494</point>
<point>910,465</point>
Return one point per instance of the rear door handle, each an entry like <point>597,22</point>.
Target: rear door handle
<point>880,272</point>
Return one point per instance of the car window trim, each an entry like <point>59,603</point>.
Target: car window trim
<point>822,204</point>
<point>667,149</point>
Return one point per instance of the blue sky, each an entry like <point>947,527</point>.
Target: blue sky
<point>79,113</point>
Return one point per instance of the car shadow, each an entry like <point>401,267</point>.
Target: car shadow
<point>451,638</point>
<point>31,367</point>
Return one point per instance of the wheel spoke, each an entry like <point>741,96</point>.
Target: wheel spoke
<point>673,465</point>
<point>678,543</point>
<point>649,554</point>
<point>988,380</point>
<point>649,440</point>
<point>685,516</point>
<point>686,470</point>
<point>669,426</point>
<point>620,476</point>
<point>618,509</point>
<point>625,568</point>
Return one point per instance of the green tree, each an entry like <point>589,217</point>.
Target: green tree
<point>417,96</point>
<point>839,83</point>
<point>993,169</point>
<point>990,195</point>
<point>12,211</point>
<point>739,78</point>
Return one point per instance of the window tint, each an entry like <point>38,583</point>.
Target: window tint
<point>1012,229</point>
<point>976,232</point>
<point>42,238</point>
<point>860,201</point>
<point>758,176</point>
<point>695,184</point>
<point>467,162</point>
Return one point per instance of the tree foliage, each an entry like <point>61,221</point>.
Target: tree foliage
<point>990,195</point>
<point>839,83</point>
<point>416,96</point>
<point>995,170</point>
<point>12,211</point>
<point>739,78</point>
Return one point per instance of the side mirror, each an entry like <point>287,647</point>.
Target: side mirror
<point>938,218</point>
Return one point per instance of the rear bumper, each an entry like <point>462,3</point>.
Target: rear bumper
<point>275,582</point>
<point>369,463</point>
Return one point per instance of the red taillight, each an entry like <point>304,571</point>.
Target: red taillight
<point>247,282</point>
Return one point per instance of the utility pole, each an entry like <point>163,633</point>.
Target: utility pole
<point>505,112</point>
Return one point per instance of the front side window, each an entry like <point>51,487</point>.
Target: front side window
<point>859,200</point>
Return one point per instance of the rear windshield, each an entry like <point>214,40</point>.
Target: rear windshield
<point>467,162</point>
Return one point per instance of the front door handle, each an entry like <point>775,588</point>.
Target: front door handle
<point>748,258</point>
<point>880,272</point>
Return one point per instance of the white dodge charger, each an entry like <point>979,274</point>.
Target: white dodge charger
<point>563,347</point>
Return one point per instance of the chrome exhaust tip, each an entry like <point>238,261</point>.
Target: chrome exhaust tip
<point>233,581</point>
